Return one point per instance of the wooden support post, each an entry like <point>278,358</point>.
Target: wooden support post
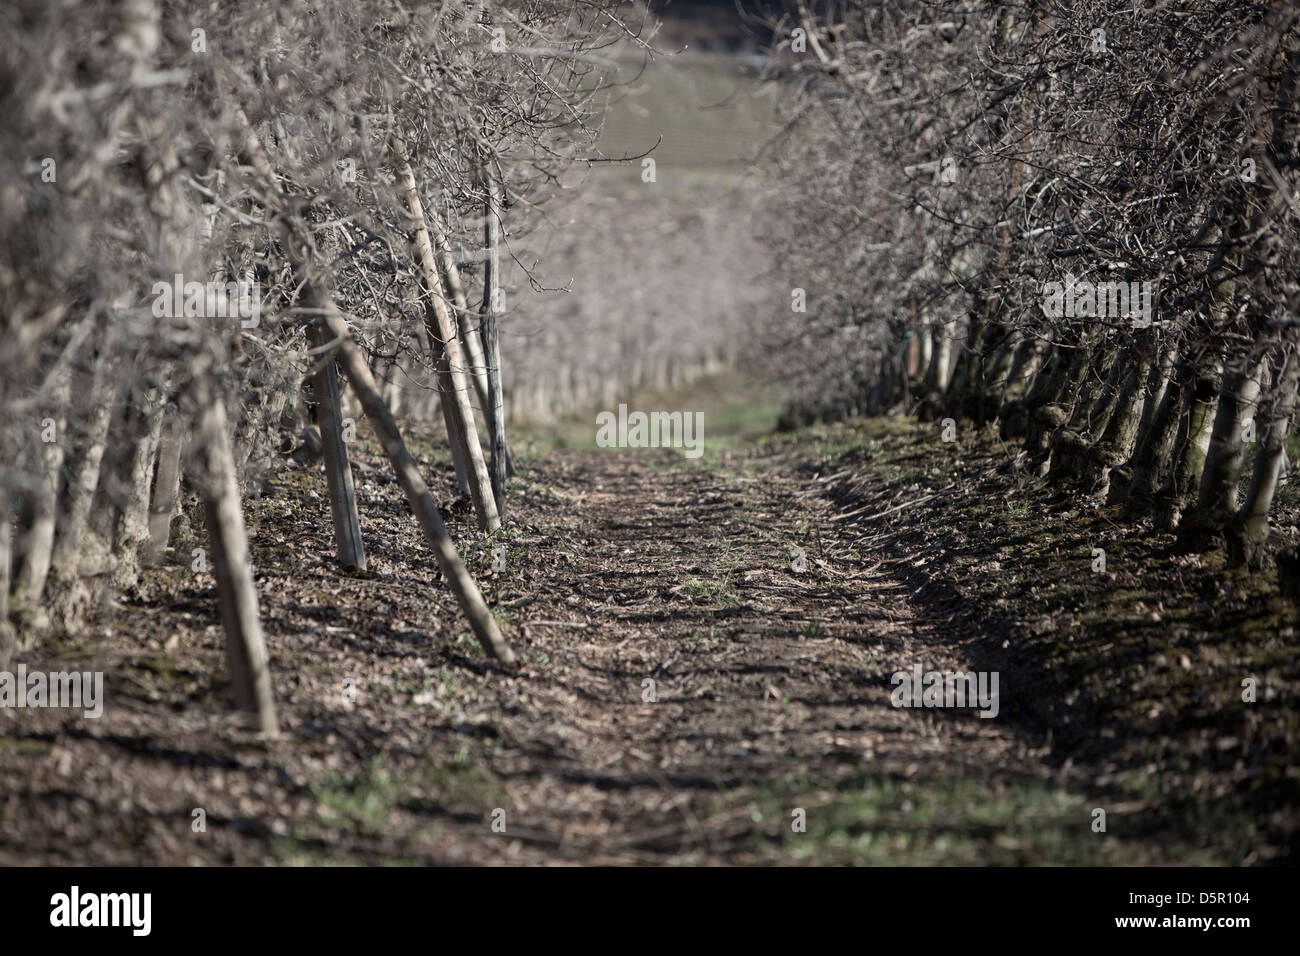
<point>418,495</point>
<point>250,676</point>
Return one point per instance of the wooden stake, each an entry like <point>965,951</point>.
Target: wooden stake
<point>417,492</point>
<point>250,676</point>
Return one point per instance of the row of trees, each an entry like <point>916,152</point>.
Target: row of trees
<point>205,205</point>
<point>986,177</point>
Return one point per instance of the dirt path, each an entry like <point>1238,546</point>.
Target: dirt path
<point>402,744</point>
<point>763,675</point>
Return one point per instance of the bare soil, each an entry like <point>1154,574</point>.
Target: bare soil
<point>767,734</point>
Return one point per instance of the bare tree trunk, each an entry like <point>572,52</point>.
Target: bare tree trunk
<point>1116,443</point>
<point>1216,503</point>
<point>246,657</point>
<point>993,393</point>
<point>1155,449</point>
<point>1161,374</point>
<point>480,484</point>
<point>1248,534</point>
<point>1072,444</point>
<point>38,550</point>
<point>132,534</point>
<point>471,336</point>
<point>1173,497</point>
<point>81,492</point>
<point>167,484</point>
<point>495,408</point>
<point>8,637</point>
<point>1029,359</point>
<point>455,441</point>
<point>925,337</point>
<point>1237,404</point>
<point>65,590</point>
<point>936,379</point>
<point>349,547</point>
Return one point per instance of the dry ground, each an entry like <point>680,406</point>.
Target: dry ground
<point>402,744</point>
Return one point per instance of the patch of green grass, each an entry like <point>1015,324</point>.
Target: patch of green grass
<point>463,785</point>
<point>719,591</point>
<point>363,801</point>
<point>24,745</point>
<point>875,819</point>
<point>737,414</point>
<point>466,643</point>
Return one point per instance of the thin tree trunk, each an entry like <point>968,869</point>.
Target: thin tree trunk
<point>1248,534</point>
<point>1186,474</point>
<point>925,353</point>
<point>1029,359</point>
<point>132,534</point>
<point>480,483</point>
<point>38,550</point>
<point>993,393</point>
<point>455,440</point>
<point>495,408</point>
<point>1155,449</point>
<point>1237,402</point>
<point>81,492</point>
<point>1159,379</point>
<point>1116,443</point>
<point>349,547</point>
<point>936,379</point>
<point>167,484</point>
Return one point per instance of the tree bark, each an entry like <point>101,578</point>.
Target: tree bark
<point>1198,425</point>
<point>131,537</point>
<point>167,484</point>
<point>349,547</point>
<point>417,492</point>
<point>495,408</point>
<point>1248,534</point>
<point>246,657</point>
<point>480,483</point>
<point>1222,469</point>
<point>81,493</point>
<point>38,549</point>
<point>1155,449</point>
